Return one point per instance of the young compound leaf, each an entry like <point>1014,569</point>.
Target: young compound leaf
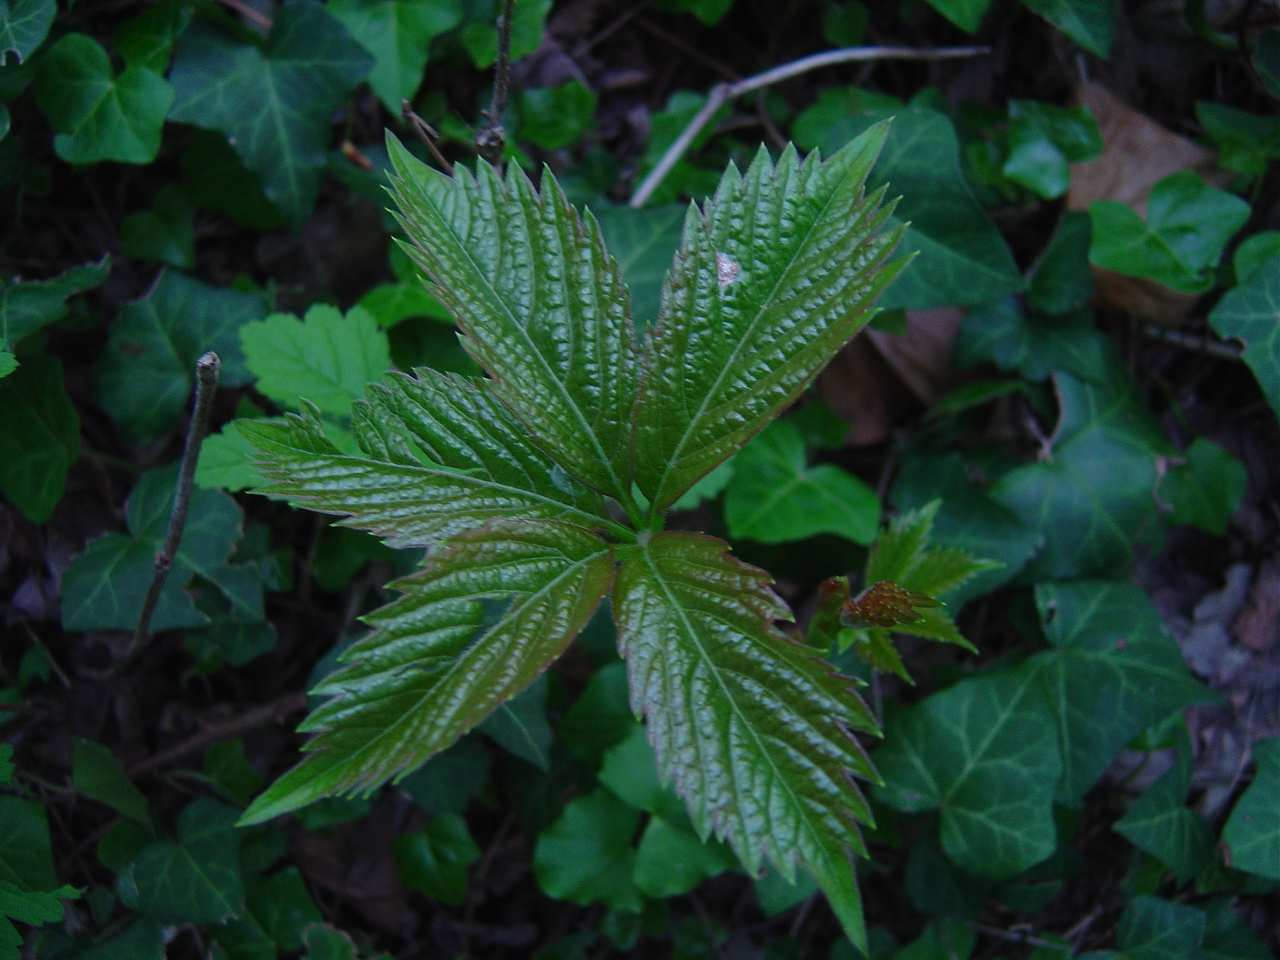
<point>440,455</point>
<point>752,728</point>
<point>773,276</point>
<point>433,667</point>
<point>541,303</point>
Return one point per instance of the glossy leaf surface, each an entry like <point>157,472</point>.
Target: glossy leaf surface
<point>433,667</point>
<point>772,277</point>
<point>1249,312</point>
<point>542,305</point>
<point>752,728</point>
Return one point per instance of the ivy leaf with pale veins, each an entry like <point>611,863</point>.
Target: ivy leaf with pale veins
<point>1250,312</point>
<point>145,375</point>
<point>294,82</point>
<point>23,26</point>
<point>984,754</point>
<point>542,304</point>
<point>439,454</point>
<point>398,33</point>
<point>773,276</point>
<point>434,667</point>
<point>752,728</point>
<point>28,305</point>
<point>100,116</point>
<point>1110,672</point>
<point>1252,832</point>
<point>1090,529</point>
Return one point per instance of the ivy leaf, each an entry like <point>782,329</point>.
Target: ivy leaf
<point>8,362</point>
<point>1090,530</point>
<point>439,454</point>
<point>39,437</point>
<point>1044,140</point>
<point>1246,142</point>
<point>1090,23</point>
<point>1187,227</point>
<point>1110,672</point>
<point>196,879</point>
<point>1252,832</point>
<point>1036,347</point>
<point>965,14</point>
<point>585,856</point>
<point>434,667</point>
<point>435,859</point>
<point>1160,823</point>
<point>98,775</point>
<point>520,726</point>
<point>144,378</point>
<point>295,82</point>
<point>714,677</point>
<point>104,587</point>
<point>165,233</point>
<point>751,314</point>
<point>28,305</point>
<point>1205,490</point>
<point>671,860</point>
<point>1155,929</point>
<point>962,258</point>
<point>23,26</point>
<point>774,498</point>
<point>480,36</point>
<point>326,358</point>
<point>643,242</point>
<point>985,755</point>
<point>1249,312</point>
<point>398,33</point>
<point>556,117</point>
<point>1061,281</point>
<point>29,891</point>
<point>100,116</point>
<point>146,40</point>
<point>542,305</point>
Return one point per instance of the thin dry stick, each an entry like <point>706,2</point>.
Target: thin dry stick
<point>724,92</point>
<point>426,133</point>
<point>491,138</point>
<point>207,368</point>
<point>1190,341</point>
<point>249,13</point>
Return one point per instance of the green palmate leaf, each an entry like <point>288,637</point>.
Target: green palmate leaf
<point>1250,312</point>
<point>586,855</point>
<point>145,376</point>
<point>671,860</point>
<point>1090,23</point>
<point>1252,832</point>
<point>435,860</point>
<point>26,306</point>
<point>165,233</point>
<point>774,498</point>
<point>146,40</point>
<point>97,774</point>
<point>1253,252</point>
<point>520,726</point>
<point>440,455</point>
<point>23,26</point>
<point>773,276</point>
<point>98,115</point>
<point>29,891</point>
<point>226,461</point>
<point>103,589</point>
<point>1187,227</point>
<point>1205,490</point>
<point>642,241</point>
<point>555,117</point>
<point>480,35</point>
<point>295,82</point>
<point>1061,280</point>
<point>1000,333</point>
<point>752,728</point>
<point>1160,823</point>
<point>1246,142</point>
<point>1088,529</point>
<point>39,437</point>
<point>1155,929</point>
<point>325,358</point>
<point>541,303</point>
<point>434,667</point>
<point>1110,672</point>
<point>963,260</point>
<point>1044,140</point>
<point>196,879</point>
<point>398,33</point>
<point>8,362</point>
<point>985,755</point>
<point>965,14</point>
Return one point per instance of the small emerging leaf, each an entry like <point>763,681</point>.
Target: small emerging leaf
<point>885,604</point>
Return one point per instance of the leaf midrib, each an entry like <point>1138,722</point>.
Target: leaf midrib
<point>750,330</point>
<point>800,810</point>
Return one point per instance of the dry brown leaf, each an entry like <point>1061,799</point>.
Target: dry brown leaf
<point>1137,153</point>
<point>1258,626</point>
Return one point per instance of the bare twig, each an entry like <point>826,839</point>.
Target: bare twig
<point>237,726</point>
<point>491,138</point>
<point>426,133</point>
<point>255,17</point>
<point>1190,341</point>
<point>724,92</point>
<point>207,368</point>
